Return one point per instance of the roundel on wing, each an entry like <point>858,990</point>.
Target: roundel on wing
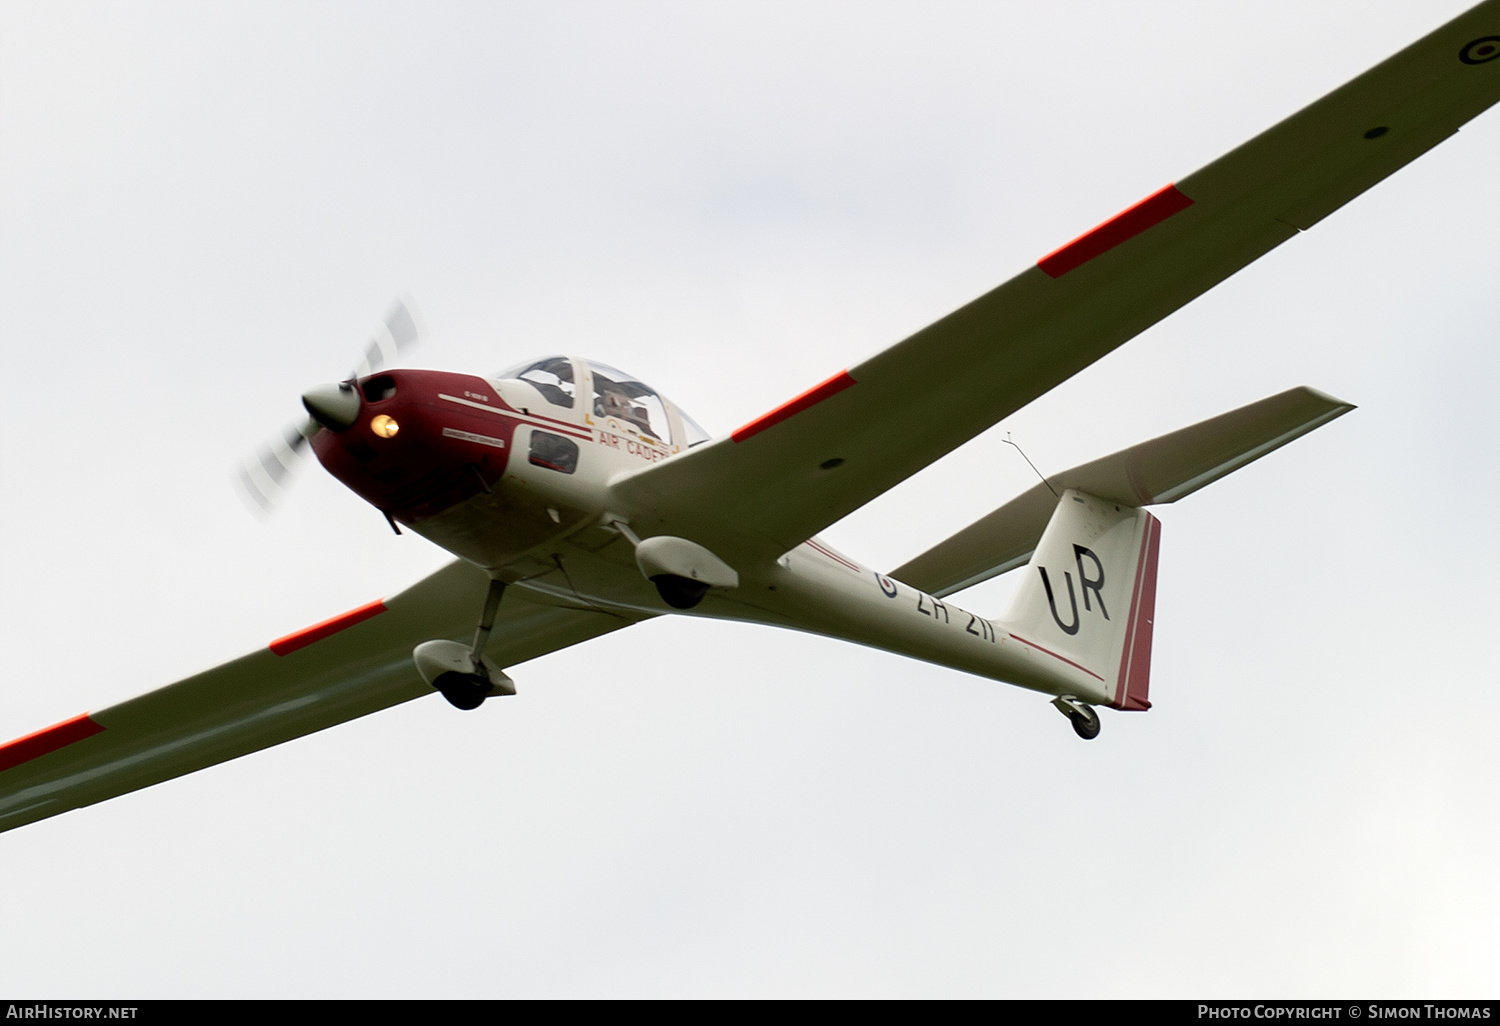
<point>1481,51</point>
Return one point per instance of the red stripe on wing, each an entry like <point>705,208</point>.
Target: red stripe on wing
<point>810,398</point>
<point>1125,225</point>
<point>50,739</point>
<point>328,628</point>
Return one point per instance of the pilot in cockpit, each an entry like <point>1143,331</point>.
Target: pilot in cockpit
<point>617,404</point>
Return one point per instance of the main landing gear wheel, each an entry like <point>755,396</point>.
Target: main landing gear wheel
<point>464,690</point>
<point>466,678</point>
<point>679,592</point>
<point>1085,722</point>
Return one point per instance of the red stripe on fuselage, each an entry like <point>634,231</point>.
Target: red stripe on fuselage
<point>830,554</point>
<point>50,739</point>
<point>537,419</point>
<point>1125,225</point>
<point>1054,655</point>
<point>806,400</point>
<point>326,629</point>
<point>564,425</point>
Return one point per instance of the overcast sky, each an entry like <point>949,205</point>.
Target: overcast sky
<point>204,208</point>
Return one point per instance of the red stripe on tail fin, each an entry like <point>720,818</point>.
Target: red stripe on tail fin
<point>1135,662</point>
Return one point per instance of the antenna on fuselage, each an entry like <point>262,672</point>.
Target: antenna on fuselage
<point>1017,446</point>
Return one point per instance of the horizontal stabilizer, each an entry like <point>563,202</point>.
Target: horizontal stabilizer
<point>1161,470</point>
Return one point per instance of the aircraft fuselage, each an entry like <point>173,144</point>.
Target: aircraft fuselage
<point>494,473</point>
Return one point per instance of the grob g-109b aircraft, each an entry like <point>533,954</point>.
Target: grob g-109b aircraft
<point>578,500</point>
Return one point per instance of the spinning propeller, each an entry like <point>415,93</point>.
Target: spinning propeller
<point>265,476</point>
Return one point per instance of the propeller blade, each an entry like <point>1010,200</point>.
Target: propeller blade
<point>398,333</point>
<point>264,477</point>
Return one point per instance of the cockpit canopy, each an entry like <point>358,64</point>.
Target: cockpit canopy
<point>553,377</point>
<point>612,393</point>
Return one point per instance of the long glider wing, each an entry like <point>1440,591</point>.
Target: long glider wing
<point>335,671</point>
<point>806,464</point>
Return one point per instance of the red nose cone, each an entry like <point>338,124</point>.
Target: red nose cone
<point>421,442</point>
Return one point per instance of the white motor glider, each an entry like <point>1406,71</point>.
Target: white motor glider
<point>579,501</point>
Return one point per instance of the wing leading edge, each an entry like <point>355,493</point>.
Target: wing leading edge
<point>810,462</point>
<point>335,671</point>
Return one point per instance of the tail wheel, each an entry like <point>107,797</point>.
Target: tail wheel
<point>464,690</point>
<point>1085,722</point>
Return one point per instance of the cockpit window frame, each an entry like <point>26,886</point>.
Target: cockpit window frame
<point>547,390</point>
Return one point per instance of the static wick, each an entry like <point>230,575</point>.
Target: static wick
<point>1030,464</point>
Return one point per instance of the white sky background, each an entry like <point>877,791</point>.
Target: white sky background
<point>203,209</point>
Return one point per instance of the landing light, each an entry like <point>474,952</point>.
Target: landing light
<point>384,425</point>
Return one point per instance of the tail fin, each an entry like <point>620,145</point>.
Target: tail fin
<point>1089,595</point>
